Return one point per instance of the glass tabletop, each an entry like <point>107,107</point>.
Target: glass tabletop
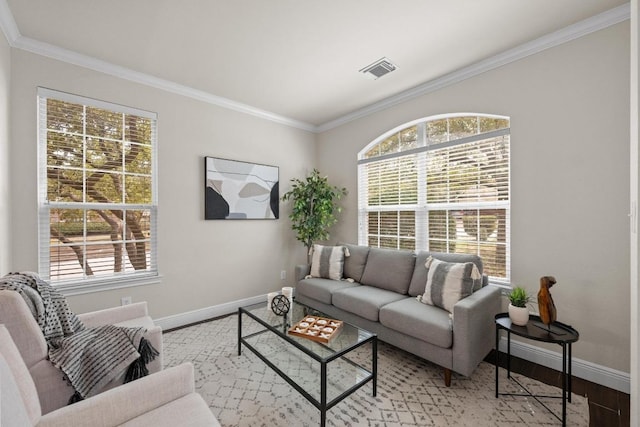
<point>347,338</point>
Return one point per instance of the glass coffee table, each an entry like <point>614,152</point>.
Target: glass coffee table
<point>324,373</point>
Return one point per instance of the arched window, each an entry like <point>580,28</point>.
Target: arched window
<point>439,184</point>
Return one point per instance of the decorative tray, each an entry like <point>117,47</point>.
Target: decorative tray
<point>316,328</point>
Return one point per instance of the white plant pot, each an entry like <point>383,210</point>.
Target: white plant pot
<point>518,315</point>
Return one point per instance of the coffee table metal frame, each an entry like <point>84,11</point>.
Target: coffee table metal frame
<point>281,330</point>
<point>561,334</point>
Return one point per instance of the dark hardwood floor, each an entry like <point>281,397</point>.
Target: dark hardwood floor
<point>607,407</point>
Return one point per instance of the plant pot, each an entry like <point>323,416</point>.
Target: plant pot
<point>519,315</point>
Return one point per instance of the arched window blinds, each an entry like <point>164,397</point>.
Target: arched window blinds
<point>439,184</point>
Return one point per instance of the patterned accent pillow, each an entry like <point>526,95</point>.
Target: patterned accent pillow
<point>327,262</point>
<point>448,282</point>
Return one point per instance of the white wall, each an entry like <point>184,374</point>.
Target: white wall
<point>634,193</point>
<point>569,109</point>
<point>5,82</point>
<point>203,263</point>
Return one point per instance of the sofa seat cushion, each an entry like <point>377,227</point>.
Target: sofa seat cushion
<point>389,269</point>
<point>321,289</point>
<point>52,393</point>
<point>364,301</point>
<point>190,410</point>
<point>425,322</point>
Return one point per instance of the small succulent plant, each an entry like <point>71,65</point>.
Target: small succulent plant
<point>519,297</point>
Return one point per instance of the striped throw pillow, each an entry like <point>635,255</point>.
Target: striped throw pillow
<point>448,282</point>
<point>327,262</point>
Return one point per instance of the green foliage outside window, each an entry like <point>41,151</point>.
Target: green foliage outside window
<point>96,156</point>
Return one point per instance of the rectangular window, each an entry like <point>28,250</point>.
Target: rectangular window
<point>447,191</point>
<point>97,192</point>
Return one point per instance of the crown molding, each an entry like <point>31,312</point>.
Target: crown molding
<point>71,57</point>
<point>16,40</point>
<point>572,32</point>
<point>580,29</point>
<point>8,23</point>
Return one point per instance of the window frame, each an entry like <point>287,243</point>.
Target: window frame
<point>103,281</point>
<point>422,208</point>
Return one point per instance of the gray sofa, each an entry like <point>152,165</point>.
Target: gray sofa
<point>380,296</point>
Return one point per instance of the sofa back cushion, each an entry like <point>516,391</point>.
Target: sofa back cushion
<point>420,272</point>
<point>389,269</point>
<point>355,262</point>
<point>24,329</point>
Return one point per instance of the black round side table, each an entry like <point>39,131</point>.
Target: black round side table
<point>557,333</point>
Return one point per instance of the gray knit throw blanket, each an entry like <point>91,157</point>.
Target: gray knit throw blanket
<point>89,357</point>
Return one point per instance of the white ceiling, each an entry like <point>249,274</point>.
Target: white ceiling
<point>297,59</point>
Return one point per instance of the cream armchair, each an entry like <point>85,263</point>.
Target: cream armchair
<point>53,391</point>
<point>166,398</point>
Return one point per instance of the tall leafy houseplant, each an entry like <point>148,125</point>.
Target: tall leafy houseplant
<point>314,207</point>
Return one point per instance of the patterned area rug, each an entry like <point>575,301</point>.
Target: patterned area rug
<point>243,391</point>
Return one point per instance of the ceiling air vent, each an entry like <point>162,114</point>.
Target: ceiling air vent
<point>378,69</point>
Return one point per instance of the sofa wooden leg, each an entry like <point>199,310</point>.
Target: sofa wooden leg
<point>447,377</point>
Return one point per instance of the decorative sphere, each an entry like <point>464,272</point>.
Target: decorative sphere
<point>280,305</point>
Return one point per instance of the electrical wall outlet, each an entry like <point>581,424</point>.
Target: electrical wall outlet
<point>125,300</point>
<point>283,275</point>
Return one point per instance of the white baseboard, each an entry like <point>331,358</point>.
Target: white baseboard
<point>598,374</point>
<point>195,316</point>
<point>589,371</point>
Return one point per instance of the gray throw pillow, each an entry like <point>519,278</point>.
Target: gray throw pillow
<point>327,262</point>
<point>420,273</point>
<point>448,283</point>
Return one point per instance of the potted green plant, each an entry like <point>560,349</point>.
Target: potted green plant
<point>518,310</point>
<point>313,207</point>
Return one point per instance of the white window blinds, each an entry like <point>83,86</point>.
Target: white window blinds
<point>440,185</point>
<point>97,190</point>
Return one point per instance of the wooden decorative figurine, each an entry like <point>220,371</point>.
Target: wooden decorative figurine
<point>545,301</point>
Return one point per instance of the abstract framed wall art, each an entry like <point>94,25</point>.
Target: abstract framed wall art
<point>240,190</point>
